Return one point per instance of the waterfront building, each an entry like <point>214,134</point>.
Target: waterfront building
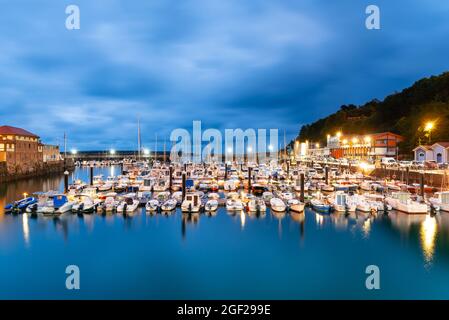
<point>364,147</point>
<point>51,153</point>
<point>438,152</point>
<point>22,151</point>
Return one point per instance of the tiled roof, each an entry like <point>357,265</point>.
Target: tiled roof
<point>16,131</point>
<point>443,144</point>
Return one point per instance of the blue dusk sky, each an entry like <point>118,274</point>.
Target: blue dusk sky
<point>230,64</point>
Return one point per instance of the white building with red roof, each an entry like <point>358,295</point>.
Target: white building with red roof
<point>438,152</point>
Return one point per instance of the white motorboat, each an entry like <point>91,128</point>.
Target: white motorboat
<point>178,197</point>
<point>440,200</point>
<point>363,205</point>
<point>277,205</point>
<point>83,203</point>
<point>257,205</point>
<point>401,201</point>
<point>267,196</point>
<point>342,202</point>
<point>110,204</point>
<point>230,185</point>
<point>295,205</point>
<point>191,203</point>
<point>58,204</point>
<point>286,196</point>
<point>152,205</point>
<point>169,205</point>
<point>234,204</point>
<point>211,205</point>
<point>129,204</point>
<point>213,195</point>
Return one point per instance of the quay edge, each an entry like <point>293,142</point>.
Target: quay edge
<point>48,168</point>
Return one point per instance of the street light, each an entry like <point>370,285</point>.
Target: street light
<point>74,151</point>
<point>146,151</point>
<point>112,151</point>
<point>428,128</point>
<point>339,134</point>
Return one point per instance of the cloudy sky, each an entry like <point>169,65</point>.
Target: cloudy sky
<point>230,64</point>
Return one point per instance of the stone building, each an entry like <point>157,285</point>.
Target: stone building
<point>21,150</point>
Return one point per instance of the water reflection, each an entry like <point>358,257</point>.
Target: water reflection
<point>26,230</point>
<point>428,234</point>
<point>242,219</point>
<point>422,231</point>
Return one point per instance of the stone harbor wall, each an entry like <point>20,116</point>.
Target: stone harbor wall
<point>46,168</point>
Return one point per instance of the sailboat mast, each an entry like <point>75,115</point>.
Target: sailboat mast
<point>138,138</point>
<point>165,159</point>
<point>285,147</point>
<point>65,146</point>
<point>155,148</point>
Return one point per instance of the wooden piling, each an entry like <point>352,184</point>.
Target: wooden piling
<point>91,175</point>
<point>171,177</point>
<point>183,185</point>
<point>249,178</point>
<point>421,184</point>
<point>226,172</point>
<point>301,181</point>
<point>66,181</point>
<point>326,174</point>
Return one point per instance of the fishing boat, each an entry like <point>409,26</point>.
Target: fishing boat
<point>191,203</point>
<point>277,204</point>
<point>401,201</point>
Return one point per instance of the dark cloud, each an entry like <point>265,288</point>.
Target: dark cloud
<point>231,64</point>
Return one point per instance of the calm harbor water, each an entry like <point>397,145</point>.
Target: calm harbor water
<point>298,256</point>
